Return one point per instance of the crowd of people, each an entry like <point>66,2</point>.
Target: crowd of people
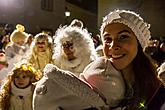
<point>122,68</point>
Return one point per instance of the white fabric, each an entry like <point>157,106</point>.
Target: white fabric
<point>11,63</point>
<point>14,54</point>
<point>83,48</point>
<point>76,66</point>
<point>59,88</point>
<point>20,92</point>
<point>108,81</point>
<point>18,103</point>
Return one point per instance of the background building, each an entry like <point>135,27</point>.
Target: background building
<point>153,12</point>
<point>38,15</point>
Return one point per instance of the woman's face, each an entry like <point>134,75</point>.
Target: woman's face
<point>120,45</point>
<point>21,80</point>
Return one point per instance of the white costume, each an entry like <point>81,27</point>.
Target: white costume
<point>16,50</point>
<point>21,99</point>
<point>83,47</point>
<point>14,55</point>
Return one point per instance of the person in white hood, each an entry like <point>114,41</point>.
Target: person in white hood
<point>74,49</point>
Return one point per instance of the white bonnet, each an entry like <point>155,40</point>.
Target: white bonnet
<point>132,20</point>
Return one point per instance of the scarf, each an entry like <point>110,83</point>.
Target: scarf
<point>20,92</point>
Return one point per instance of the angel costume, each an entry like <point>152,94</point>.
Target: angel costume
<point>83,49</point>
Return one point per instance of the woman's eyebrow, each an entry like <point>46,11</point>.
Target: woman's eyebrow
<point>124,31</point>
<point>106,33</point>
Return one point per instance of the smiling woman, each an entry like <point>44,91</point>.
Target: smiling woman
<point>124,79</point>
<point>120,45</point>
<point>124,35</point>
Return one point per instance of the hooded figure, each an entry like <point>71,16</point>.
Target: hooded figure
<point>74,49</point>
<point>41,51</point>
<point>124,73</point>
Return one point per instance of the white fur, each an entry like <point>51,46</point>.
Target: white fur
<point>82,45</point>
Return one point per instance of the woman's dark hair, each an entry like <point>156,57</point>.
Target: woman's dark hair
<point>146,81</point>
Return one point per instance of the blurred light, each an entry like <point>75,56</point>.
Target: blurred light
<point>67,12</point>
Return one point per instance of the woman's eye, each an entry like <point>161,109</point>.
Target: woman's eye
<point>123,37</point>
<point>107,40</point>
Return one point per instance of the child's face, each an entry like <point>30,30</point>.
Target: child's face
<point>20,42</point>
<point>41,45</point>
<point>68,50</point>
<point>22,80</point>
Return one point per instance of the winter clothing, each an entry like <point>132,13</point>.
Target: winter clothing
<point>108,81</point>
<point>62,90</point>
<point>133,21</point>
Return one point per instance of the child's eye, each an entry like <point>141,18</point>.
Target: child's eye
<point>24,76</point>
<point>21,77</point>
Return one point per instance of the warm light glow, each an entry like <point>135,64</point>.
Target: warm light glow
<point>67,13</point>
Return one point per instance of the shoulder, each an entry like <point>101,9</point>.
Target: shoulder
<point>99,63</point>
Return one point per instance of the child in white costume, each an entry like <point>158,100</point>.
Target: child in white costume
<point>18,39</point>
<point>16,92</point>
<point>74,49</point>
<point>16,50</point>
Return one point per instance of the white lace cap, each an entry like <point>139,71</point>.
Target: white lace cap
<point>132,20</point>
